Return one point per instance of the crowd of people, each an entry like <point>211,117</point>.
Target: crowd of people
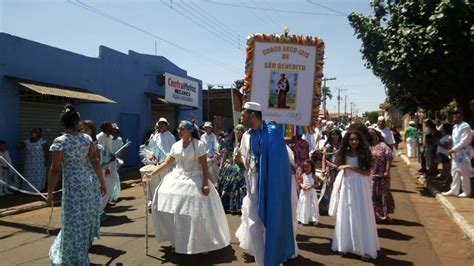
<point>86,164</point>
<point>448,145</point>
<point>272,182</point>
<point>36,160</point>
<point>313,173</point>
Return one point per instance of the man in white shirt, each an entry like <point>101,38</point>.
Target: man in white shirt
<point>104,138</point>
<point>212,150</point>
<point>160,146</point>
<point>210,139</point>
<point>387,134</point>
<point>311,137</point>
<point>461,154</point>
<point>161,142</point>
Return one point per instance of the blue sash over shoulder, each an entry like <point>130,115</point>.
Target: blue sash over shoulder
<point>274,196</point>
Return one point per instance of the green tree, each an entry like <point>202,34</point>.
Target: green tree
<point>325,93</point>
<point>371,116</point>
<point>238,84</point>
<point>422,50</point>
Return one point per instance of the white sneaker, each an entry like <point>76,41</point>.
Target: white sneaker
<point>463,195</point>
<point>449,193</point>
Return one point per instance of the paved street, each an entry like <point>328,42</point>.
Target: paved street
<point>421,234</point>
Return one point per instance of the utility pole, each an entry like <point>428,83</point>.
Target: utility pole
<point>208,105</point>
<point>339,101</point>
<point>345,108</point>
<point>324,94</point>
<point>345,105</point>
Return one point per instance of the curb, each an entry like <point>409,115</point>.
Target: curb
<point>457,217</point>
<point>36,205</point>
<point>465,226</point>
<point>25,208</point>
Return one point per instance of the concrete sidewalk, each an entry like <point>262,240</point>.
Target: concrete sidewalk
<point>461,210</point>
<point>19,203</point>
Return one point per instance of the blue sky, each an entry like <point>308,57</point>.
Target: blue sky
<point>205,37</point>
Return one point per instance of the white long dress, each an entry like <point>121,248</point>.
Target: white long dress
<point>355,231</point>
<point>192,222</point>
<point>308,210</point>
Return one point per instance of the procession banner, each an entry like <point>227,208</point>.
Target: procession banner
<point>283,74</point>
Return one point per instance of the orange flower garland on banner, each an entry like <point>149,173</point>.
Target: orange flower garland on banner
<point>290,39</point>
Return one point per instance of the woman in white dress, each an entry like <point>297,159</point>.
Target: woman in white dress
<point>187,210</point>
<point>351,200</point>
<point>308,206</point>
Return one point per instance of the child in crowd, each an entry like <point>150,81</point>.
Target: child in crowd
<point>351,200</point>
<point>308,210</point>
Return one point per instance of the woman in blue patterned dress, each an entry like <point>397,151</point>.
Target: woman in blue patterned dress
<point>231,187</point>
<point>35,160</point>
<point>75,152</point>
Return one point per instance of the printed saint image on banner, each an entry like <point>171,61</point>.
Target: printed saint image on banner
<point>283,90</point>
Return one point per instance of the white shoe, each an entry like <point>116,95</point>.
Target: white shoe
<point>463,195</point>
<point>449,193</point>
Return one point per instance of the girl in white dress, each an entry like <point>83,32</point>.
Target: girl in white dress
<point>308,210</point>
<point>351,200</point>
<point>187,210</point>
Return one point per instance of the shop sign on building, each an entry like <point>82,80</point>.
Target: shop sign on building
<point>181,91</point>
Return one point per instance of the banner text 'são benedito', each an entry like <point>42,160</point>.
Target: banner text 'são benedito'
<point>283,66</point>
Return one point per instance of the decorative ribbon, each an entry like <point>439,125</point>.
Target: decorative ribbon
<point>38,193</point>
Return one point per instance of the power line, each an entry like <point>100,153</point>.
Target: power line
<point>216,22</point>
<point>211,25</point>
<point>256,15</point>
<point>117,20</point>
<point>199,23</point>
<point>328,8</point>
<point>272,9</point>
<point>278,14</point>
<point>269,17</point>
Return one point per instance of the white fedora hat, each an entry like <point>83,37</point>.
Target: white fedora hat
<point>253,106</point>
<point>162,119</point>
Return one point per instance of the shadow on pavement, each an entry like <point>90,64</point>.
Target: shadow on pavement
<point>321,225</point>
<point>120,209</point>
<point>225,255</point>
<point>423,191</point>
<point>116,220</point>
<point>404,223</point>
<point>383,258</point>
<point>248,258</point>
<point>109,252</point>
<point>28,228</point>
<point>318,248</point>
<point>391,234</point>
<point>305,238</point>
<point>401,191</point>
<point>324,249</point>
<point>125,198</point>
<point>302,261</point>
